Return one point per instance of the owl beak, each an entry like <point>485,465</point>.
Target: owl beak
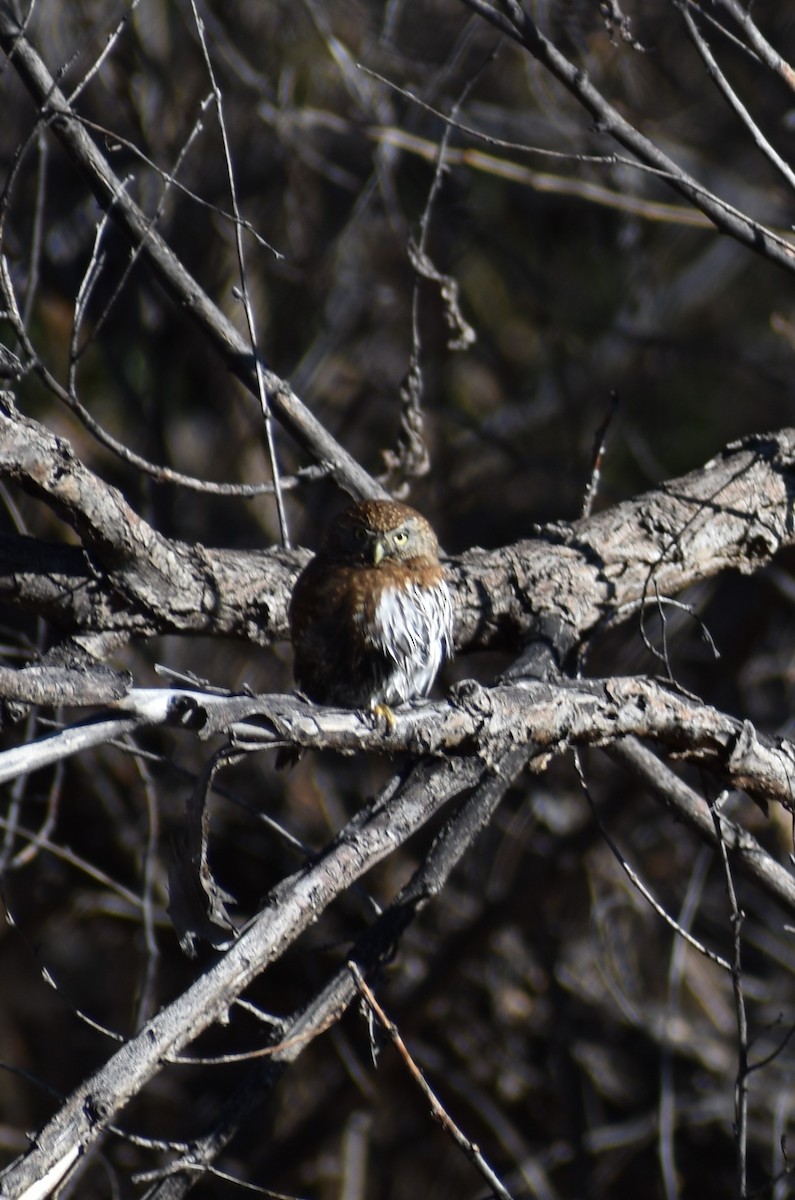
<point>378,551</point>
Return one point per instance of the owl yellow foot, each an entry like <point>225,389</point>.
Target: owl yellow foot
<point>384,713</point>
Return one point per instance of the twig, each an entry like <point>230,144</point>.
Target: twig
<point>261,390</point>
<point>170,180</point>
<point>412,459</point>
<point>729,94</point>
<point>37,838</point>
<point>666,1144</point>
<point>146,991</point>
<point>597,456</point>
<point>169,270</point>
<point>741,1080</point>
<point>470,1148</point>
<point>515,21</point>
<point>768,55</point>
<point>84,291</point>
<point>638,883</point>
<point>16,794</point>
<point>34,258</point>
<point>110,43</point>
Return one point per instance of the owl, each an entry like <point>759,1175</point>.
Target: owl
<point>371,617</point>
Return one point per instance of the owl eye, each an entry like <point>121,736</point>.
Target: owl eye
<point>360,534</point>
<point>400,538</point>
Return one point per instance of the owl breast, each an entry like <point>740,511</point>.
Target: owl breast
<point>411,630</point>
<point>365,636</point>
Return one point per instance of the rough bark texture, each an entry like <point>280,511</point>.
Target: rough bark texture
<point>106,580</point>
<point>735,513</point>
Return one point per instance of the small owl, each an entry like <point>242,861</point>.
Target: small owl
<point>371,617</point>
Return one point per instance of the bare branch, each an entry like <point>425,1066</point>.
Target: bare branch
<point>741,1015</point>
<point>687,806</point>
<point>262,395</point>
<point>292,905</point>
<point>725,217</point>
<point>728,92</point>
<point>551,716</point>
<point>469,1147</point>
<point>733,514</point>
<point>761,45</point>
<point>168,269</point>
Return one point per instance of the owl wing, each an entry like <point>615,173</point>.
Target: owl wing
<point>322,629</point>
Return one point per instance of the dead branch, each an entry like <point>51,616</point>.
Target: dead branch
<point>513,19</point>
<point>732,514</point>
<point>167,268</point>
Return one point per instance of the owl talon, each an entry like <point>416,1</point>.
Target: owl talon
<point>384,713</point>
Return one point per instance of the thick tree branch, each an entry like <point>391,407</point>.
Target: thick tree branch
<point>735,513</point>
<point>129,578</point>
<point>553,716</point>
<point>292,905</point>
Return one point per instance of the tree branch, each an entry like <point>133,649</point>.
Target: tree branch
<point>293,905</point>
<point>734,513</point>
<point>167,268</point>
<point>372,948</point>
<point>517,24</point>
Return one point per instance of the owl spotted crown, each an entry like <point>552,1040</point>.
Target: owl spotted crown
<point>371,616</point>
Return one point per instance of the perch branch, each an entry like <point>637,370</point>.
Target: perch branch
<point>734,513</point>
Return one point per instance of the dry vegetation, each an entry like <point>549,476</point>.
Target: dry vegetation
<point>466,237</point>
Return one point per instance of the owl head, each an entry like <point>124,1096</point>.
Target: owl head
<point>376,531</point>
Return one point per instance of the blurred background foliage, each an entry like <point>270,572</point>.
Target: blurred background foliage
<point>586,1049</point>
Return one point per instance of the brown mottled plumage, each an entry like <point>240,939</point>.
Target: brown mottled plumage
<point>370,616</point>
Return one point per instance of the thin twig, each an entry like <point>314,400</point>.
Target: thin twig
<point>636,880</point>
<point>411,458</point>
<point>731,97</point>
<point>599,443</point>
<point>110,43</point>
<point>741,1017</point>
<point>666,1142</point>
<point>84,291</point>
<point>146,998</point>
<point>470,1148</point>
<point>169,179</point>
<point>35,837</point>
<point>262,391</point>
<point>34,258</point>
